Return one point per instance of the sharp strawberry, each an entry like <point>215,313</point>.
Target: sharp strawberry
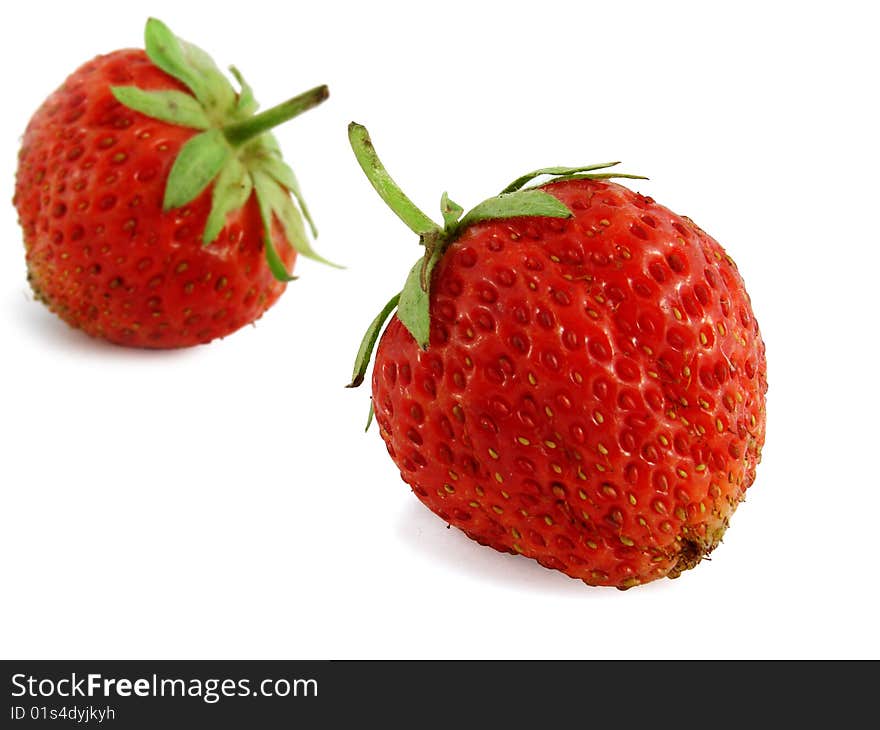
<point>155,204</point>
<point>574,374</point>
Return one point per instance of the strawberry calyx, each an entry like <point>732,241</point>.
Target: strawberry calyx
<point>519,199</point>
<point>234,148</point>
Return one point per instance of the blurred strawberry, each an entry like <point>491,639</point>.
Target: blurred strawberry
<point>155,204</point>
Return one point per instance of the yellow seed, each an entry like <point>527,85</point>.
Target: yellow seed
<point>626,541</point>
<point>602,450</point>
<point>556,468</point>
<point>523,440</point>
<point>681,472</point>
<point>453,476</point>
<point>700,467</point>
<point>497,509</point>
<point>515,533</point>
<point>480,491</point>
<point>582,494</point>
<point>677,313</point>
<point>548,411</point>
<point>703,339</point>
<point>581,474</point>
<point>499,478</point>
<point>449,488</point>
<point>663,440</point>
<point>505,494</point>
<point>632,499</point>
<point>598,417</point>
<point>532,379</point>
<point>550,444</point>
<point>548,519</point>
<point>493,453</point>
<point>600,467</point>
<point>591,545</point>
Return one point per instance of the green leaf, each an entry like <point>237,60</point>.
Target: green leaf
<point>247,104</point>
<point>414,307</point>
<point>188,64</point>
<point>197,163</point>
<point>282,206</point>
<point>555,171</point>
<point>515,205</point>
<point>263,186</point>
<point>370,416</point>
<point>231,191</point>
<point>451,211</point>
<point>604,176</point>
<point>219,92</point>
<point>174,107</point>
<point>164,49</point>
<point>368,343</point>
<point>283,173</point>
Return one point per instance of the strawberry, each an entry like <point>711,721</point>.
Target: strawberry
<point>155,204</point>
<point>574,373</point>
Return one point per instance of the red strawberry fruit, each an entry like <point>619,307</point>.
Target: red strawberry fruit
<point>155,204</point>
<point>574,373</point>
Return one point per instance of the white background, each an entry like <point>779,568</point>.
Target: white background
<point>224,502</point>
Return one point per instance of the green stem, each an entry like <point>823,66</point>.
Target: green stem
<point>241,132</point>
<point>388,190</point>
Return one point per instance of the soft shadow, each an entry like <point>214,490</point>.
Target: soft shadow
<point>37,322</point>
<point>420,529</point>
